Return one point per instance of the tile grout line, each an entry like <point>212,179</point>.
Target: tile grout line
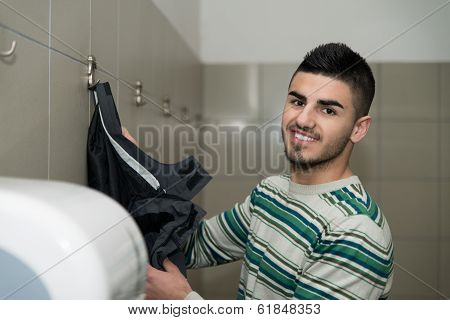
<point>90,26</point>
<point>379,135</point>
<point>49,86</point>
<point>439,186</point>
<point>118,56</point>
<point>261,74</point>
<point>90,52</point>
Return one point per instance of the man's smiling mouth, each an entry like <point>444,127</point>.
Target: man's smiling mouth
<point>299,135</point>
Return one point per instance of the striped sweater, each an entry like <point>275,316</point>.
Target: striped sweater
<point>327,241</point>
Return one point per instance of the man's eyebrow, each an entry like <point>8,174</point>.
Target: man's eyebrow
<point>325,102</point>
<point>297,95</point>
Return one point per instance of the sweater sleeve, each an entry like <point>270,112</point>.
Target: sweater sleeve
<point>351,261</point>
<point>193,296</point>
<point>221,239</point>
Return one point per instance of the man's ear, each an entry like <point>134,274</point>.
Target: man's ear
<point>360,128</point>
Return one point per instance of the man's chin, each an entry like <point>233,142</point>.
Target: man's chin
<point>302,162</point>
<point>300,156</point>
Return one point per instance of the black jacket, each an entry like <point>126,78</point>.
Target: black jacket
<point>156,195</point>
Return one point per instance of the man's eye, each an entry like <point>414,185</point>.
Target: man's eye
<point>328,111</point>
<point>297,103</point>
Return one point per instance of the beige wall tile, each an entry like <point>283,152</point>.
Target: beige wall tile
<point>375,108</point>
<point>223,193</point>
<point>36,11</point>
<point>411,296</point>
<point>221,282</point>
<point>230,92</point>
<point>196,77</point>
<point>409,150</point>
<point>445,149</point>
<point>187,82</point>
<point>129,113</point>
<point>142,121</point>
<point>170,62</point>
<point>166,68</point>
<point>444,276</point>
<point>129,54</point>
<point>273,87</point>
<point>415,260</point>
<point>69,112</point>
<point>235,150</point>
<point>195,279</point>
<point>177,141</point>
<point>273,158</point>
<point>409,91</point>
<point>161,65</point>
<point>445,92</point>
<point>364,161</point>
<point>24,110</point>
<point>104,34</point>
<point>149,29</point>
<point>71,24</point>
<point>444,220</point>
<point>411,208</point>
<point>373,188</point>
<point>155,32</point>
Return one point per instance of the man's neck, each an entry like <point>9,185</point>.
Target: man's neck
<point>319,175</point>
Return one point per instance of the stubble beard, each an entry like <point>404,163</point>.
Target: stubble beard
<point>329,154</point>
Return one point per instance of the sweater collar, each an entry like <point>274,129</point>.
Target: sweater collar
<point>311,189</point>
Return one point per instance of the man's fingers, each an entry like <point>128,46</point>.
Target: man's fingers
<point>169,266</point>
<point>152,271</point>
<point>127,135</point>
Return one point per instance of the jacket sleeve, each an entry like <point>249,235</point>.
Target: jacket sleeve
<point>351,261</point>
<point>221,239</point>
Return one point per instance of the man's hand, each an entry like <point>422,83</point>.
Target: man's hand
<point>127,135</point>
<point>166,285</point>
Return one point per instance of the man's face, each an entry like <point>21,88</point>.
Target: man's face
<point>317,121</point>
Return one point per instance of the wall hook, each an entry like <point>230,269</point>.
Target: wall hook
<point>139,100</point>
<point>185,115</point>
<point>9,52</point>
<point>166,106</point>
<point>92,65</point>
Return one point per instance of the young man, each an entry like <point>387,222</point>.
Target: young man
<point>316,233</point>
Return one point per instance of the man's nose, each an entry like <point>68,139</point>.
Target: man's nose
<point>305,117</point>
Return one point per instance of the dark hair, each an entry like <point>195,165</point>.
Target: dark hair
<point>339,61</point>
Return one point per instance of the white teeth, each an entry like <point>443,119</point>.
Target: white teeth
<point>303,138</point>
